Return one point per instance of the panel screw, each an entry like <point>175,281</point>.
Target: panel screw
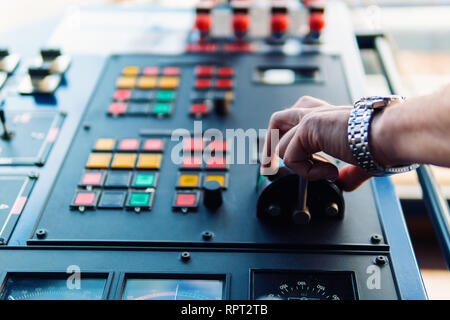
<point>185,256</point>
<point>376,238</point>
<point>41,233</point>
<point>380,260</point>
<point>207,235</point>
<point>87,126</point>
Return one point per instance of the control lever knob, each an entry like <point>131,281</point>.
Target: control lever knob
<point>50,53</point>
<point>212,194</point>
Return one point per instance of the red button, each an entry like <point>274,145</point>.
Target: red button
<point>241,22</point>
<point>84,199</point>
<point>279,22</point>
<point>191,162</point>
<point>150,71</point>
<point>216,163</point>
<point>117,108</point>
<point>193,144</point>
<point>92,178</point>
<point>225,72</point>
<point>217,145</point>
<point>122,95</point>
<point>199,108</point>
<point>204,71</point>
<point>129,144</point>
<point>153,145</point>
<point>171,71</point>
<point>224,84</point>
<point>186,200</point>
<point>203,22</point>
<point>203,84</point>
<point>316,21</point>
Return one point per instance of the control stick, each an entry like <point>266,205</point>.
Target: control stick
<point>7,135</point>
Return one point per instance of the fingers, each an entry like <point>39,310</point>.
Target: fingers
<point>309,102</point>
<point>351,177</point>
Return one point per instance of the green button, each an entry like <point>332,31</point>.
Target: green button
<point>145,180</point>
<point>161,108</point>
<point>139,199</point>
<point>166,95</point>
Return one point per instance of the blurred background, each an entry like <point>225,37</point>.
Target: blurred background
<point>419,35</point>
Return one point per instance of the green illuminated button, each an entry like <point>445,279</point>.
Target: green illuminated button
<point>161,108</point>
<point>165,95</point>
<point>145,180</point>
<point>138,200</point>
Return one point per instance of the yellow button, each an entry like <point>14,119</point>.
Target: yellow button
<point>149,161</point>
<point>105,144</point>
<point>126,82</point>
<point>130,71</point>
<point>124,161</point>
<point>169,82</point>
<point>99,160</point>
<point>188,180</point>
<point>219,178</point>
<point>147,82</point>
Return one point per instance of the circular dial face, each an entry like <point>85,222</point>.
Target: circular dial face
<point>286,285</point>
<point>35,288</point>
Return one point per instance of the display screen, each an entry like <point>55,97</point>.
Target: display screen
<point>293,285</point>
<point>52,287</point>
<point>286,75</point>
<point>173,289</point>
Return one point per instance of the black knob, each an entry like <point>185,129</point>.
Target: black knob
<point>39,71</point>
<point>212,194</point>
<point>4,52</point>
<point>50,53</point>
<point>221,103</point>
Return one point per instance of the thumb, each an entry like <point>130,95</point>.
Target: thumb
<point>351,177</point>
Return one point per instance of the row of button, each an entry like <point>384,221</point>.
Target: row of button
<point>210,71</point>
<point>118,179</point>
<point>220,84</point>
<point>113,199</point>
<point>147,82</point>
<point>144,95</point>
<point>151,71</point>
<point>158,109</point>
<point>194,180</point>
<point>103,160</point>
<point>129,144</point>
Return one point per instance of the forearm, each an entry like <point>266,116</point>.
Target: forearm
<point>416,131</point>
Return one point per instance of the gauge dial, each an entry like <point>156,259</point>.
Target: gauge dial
<point>35,287</point>
<point>286,285</point>
<point>173,289</point>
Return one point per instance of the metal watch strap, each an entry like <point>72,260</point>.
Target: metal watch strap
<point>358,135</point>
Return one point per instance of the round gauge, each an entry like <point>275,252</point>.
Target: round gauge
<point>43,288</point>
<point>172,289</point>
<point>303,286</point>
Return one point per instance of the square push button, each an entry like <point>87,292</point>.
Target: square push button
<point>219,177</point>
<point>142,95</point>
<point>169,82</point>
<point>145,180</point>
<point>92,179</point>
<point>117,108</point>
<point>105,144</point>
<point>217,146</point>
<point>122,95</point>
<point>129,145</point>
<point>126,82</point>
<point>153,145</point>
<point>150,71</point>
<point>204,71</point>
<point>162,109</point>
<point>199,109</point>
<point>186,200</point>
<point>191,163</point>
<point>224,84</point>
<point>188,180</point>
<point>84,199</point>
<point>171,71</point>
<point>138,109</point>
<point>193,144</point>
<point>203,84</point>
<point>165,95</point>
<point>124,161</point>
<point>216,163</point>
<point>225,72</point>
<point>99,160</point>
<point>130,71</point>
<point>147,82</point>
<point>118,179</point>
<point>149,161</point>
<point>112,199</point>
<point>140,200</point>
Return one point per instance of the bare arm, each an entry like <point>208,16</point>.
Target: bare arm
<point>416,131</point>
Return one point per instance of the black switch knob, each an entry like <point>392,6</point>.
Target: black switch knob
<point>4,52</point>
<point>39,71</point>
<point>221,103</point>
<point>50,53</point>
<point>212,194</point>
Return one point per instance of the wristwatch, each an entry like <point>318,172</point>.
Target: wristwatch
<point>359,134</point>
